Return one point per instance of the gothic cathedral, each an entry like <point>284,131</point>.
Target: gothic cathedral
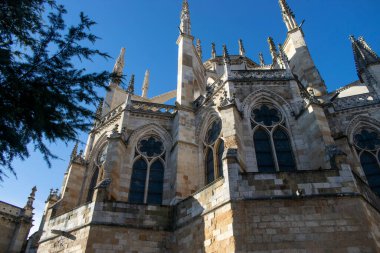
<point>253,157</point>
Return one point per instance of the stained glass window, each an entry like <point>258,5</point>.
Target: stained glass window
<point>151,147</point>
<point>137,189</point>
<point>367,139</point>
<point>284,151</point>
<point>148,174</point>
<point>210,174</point>
<point>156,182</point>
<point>372,170</point>
<point>271,140</point>
<point>213,132</point>
<point>263,149</point>
<point>265,115</point>
<point>220,156</point>
<point>91,188</point>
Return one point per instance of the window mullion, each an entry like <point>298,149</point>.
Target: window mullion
<point>274,153</point>
<point>147,184</point>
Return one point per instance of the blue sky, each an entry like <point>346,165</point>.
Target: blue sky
<point>148,30</point>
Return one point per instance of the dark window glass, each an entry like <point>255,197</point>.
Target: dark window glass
<point>263,150</point>
<point>367,139</point>
<point>91,189</point>
<point>371,171</point>
<point>220,155</point>
<point>156,182</point>
<point>267,116</point>
<point>136,192</point>
<point>213,132</point>
<point>209,166</point>
<point>151,147</point>
<point>283,149</point>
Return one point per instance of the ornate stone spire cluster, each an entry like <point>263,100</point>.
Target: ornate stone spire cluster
<point>146,84</point>
<point>241,48</point>
<point>288,15</point>
<point>262,61</point>
<point>29,203</point>
<point>119,66</point>
<point>185,26</point>
<point>363,54</point>
<point>199,48</point>
<point>131,85</point>
<point>74,153</point>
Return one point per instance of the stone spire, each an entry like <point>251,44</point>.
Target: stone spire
<point>288,15</point>
<point>199,48</point>
<point>283,58</point>
<point>241,48</point>
<point>262,61</point>
<point>119,66</point>
<point>226,56</point>
<point>29,204</point>
<point>131,85</point>
<point>145,84</point>
<point>363,54</point>
<point>272,48</point>
<point>99,110</point>
<point>185,26</point>
<point>213,50</point>
<point>74,153</point>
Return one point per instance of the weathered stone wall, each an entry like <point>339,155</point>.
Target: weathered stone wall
<point>335,224</point>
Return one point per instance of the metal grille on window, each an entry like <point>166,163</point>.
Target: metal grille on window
<point>214,148</point>
<point>367,142</point>
<point>271,140</point>
<point>148,172</point>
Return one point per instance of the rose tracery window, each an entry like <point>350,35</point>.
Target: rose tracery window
<point>367,143</point>
<point>271,140</point>
<point>214,148</point>
<point>148,172</point>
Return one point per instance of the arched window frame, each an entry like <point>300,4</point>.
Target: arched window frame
<point>270,130</point>
<point>214,148</point>
<point>149,161</point>
<point>359,151</point>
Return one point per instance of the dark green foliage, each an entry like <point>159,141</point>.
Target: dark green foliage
<point>43,96</point>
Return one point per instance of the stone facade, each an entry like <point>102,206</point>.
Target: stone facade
<point>251,158</point>
<point>15,224</point>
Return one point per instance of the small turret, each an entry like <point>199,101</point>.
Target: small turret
<point>29,203</point>
<point>146,84</point>
<point>272,48</point>
<point>131,85</point>
<point>262,61</point>
<point>74,152</point>
<point>199,48</point>
<point>213,50</point>
<point>241,48</point>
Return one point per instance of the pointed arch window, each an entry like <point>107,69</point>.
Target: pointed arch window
<point>99,161</point>
<point>91,188</point>
<point>271,140</point>
<point>367,145</point>
<point>148,172</point>
<point>214,148</point>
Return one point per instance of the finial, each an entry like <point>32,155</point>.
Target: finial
<point>29,204</point>
<point>262,61</point>
<point>199,48</point>
<point>241,48</point>
<point>131,86</point>
<point>288,15</point>
<point>74,152</point>
<point>272,48</point>
<point>185,26</point>
<point>226,56</point>
<point>119,66</point>
<point>213,50</point>
<point>146,84</point>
